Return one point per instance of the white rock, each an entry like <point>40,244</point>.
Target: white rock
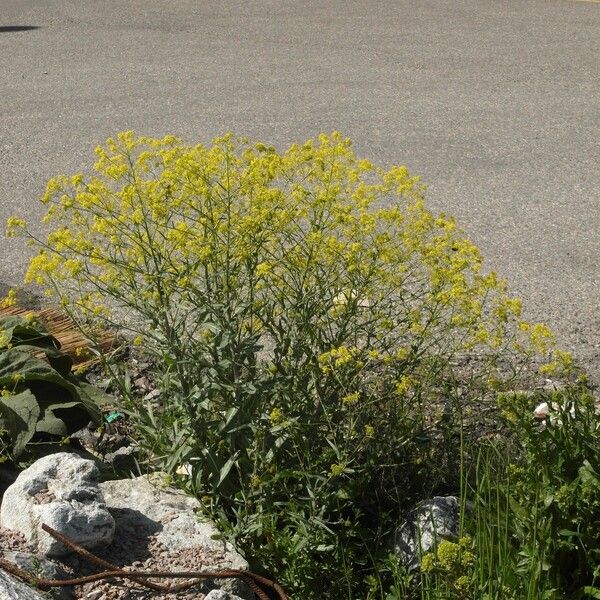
<point>43,568</point>
<point>60,490</point>
<point>541,411</point>
<point>220,595</point>
<point>173,518</point>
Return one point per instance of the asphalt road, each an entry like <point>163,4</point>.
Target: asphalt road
<point>495,103</point>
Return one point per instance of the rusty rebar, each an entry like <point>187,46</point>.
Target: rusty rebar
<point>256,582</point>
<point>251,579</point>
<point>95,559</point>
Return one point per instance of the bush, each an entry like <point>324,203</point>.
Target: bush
<point>312,326</point>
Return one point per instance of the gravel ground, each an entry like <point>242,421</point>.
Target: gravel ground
<point>132,549</point>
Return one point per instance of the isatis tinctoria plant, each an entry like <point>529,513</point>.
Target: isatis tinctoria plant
<point>310,319</point>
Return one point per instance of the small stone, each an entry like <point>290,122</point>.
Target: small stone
<point>142,383</point>
<point>220,595</point>
<point>427,524</point>
<point>152,395</point>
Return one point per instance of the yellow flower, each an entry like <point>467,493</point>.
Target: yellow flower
<point>403,385</point>
<point>541,337</point>
<point>14,226</point>
<point>29,318</point>
<point>428,563</point>
<point>336,470</point>
<point>9,300</point>
<point>276,416</point>
<point>81,352</point>
<point>351,399</point>
<point>263,269</point>
<point>448,555</point>
<point>463,583</point>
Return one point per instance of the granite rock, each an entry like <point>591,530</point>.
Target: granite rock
<point>425,526</point>
<point>60,490</point>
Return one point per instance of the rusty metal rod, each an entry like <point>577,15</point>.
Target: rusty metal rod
<point>251,579</point>
<point>17,571</point>
<point>256,582</point>
<point>95,559</point>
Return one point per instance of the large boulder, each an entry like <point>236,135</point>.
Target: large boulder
<point>167,524</point>
<point>425,526</point>
<point>60,490</point>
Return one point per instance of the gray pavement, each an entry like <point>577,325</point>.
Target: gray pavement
<point>496,103</point>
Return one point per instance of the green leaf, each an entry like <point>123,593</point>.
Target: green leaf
<point>62,407</point>
<point>64,418</point>
<point>58,360</point>
<point>226,468</point>
<point>19,415</point>
<point>92,397</point>
<point>21,332</point>
<point>519,510</point>
<point>569,533</point>
<point>28,368</point>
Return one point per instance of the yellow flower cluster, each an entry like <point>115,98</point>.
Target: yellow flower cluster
<point>9,300</point>
<point>453,562</point>
<point>276,416</point>
<point>338,357</point>
<point>336,470</point>
<point>313,235</point>
<point>351,399</point>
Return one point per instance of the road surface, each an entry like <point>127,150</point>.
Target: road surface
<point>495,103</point>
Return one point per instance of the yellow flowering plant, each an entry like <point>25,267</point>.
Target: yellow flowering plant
<point>305,311</point>
<point>450,566</point>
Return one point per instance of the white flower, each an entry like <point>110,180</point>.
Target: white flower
<point>346,295</point>
<point>544,410</point>
<point>541,411</point>
<point>185,469</point>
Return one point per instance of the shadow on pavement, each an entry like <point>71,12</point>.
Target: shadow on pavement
<point>10,28</point>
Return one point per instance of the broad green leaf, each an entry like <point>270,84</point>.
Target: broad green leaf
<point>52,425</point>
<point>519,510</point>
<point>64,418</point>
<point>92,397</point>
<point>20,332</point>
<point>58,360</point>
<point>19,415</point>
<point>28,368</point>
<point>61,406</point>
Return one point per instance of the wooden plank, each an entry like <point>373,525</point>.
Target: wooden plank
<point>72,341</point>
